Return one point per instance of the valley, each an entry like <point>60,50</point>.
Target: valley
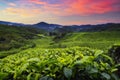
<point>29,53</point>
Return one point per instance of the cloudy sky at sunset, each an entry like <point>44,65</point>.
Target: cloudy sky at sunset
<point>65,12</point>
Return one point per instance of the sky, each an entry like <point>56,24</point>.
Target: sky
<point>65,12</point>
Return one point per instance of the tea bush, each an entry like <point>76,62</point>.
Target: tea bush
<point>59,64</point>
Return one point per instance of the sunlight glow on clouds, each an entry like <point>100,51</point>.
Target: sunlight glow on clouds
<point>22,12</point>
<point>59,10</point>
<point>87,7</point>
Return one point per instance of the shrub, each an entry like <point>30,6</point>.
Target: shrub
<point>59,64</point>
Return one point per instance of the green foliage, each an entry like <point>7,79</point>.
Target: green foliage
<point>96,40</point>
<point>3,76</point>
<point>33,62</point>
<point>59,64</point>
<point>105,75</point>
<point>114,52</point>
<point>13,37</point>
<point>67,73</point>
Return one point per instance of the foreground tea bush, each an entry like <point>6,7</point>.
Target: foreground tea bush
<point>58,64</point>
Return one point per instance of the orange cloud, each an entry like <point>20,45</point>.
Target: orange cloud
<point>22,12</point>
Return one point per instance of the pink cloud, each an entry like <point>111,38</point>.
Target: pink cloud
<point>37,2</point>
<point>87,7</point>
<point>12,4</point>
<point>107,20</point>
<point>68,8</point>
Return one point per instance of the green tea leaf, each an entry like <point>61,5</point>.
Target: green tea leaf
<point>29,76</point>
<point>67,73</point>
<point>113,70</point>
<point>44,78</point>
<point>3,76</point>
<point>115,77</point>
<point>93,70</point>
<point>50,79</point>
<point>107,76</point>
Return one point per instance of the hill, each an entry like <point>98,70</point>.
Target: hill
<point>46,26</point>
<point>13,37</point>
<point>30,53</point>
<point>11,23</point>
<point>68,28</point>
<point>89,28</point>
<point>97,40</point>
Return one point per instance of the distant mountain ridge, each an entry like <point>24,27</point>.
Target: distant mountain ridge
<point>71,28</point>
<point>46,26</point>
<point>11,23</point>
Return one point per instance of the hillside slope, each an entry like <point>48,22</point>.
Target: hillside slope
<point>97,40</point>
<point>42,57</point>
<point>13,37</point>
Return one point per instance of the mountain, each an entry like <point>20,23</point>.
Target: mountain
<point>11,23</point>
<point>76,28</point>
<point>71,28</point>
<point>90,28</point>
<point>46,26</point>
<point>41,25</point>
<point>14,38</point>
